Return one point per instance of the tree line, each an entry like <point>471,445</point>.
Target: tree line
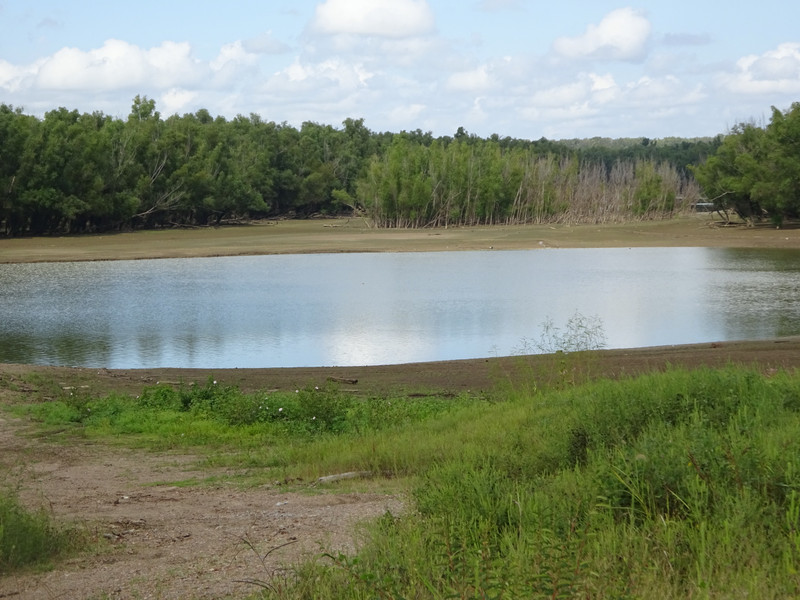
<point>755,172</point>
<point>457,183</point>
<point>72,172</point>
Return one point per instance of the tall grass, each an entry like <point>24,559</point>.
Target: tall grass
<point>670,485</point>
<point>29,538</point>
<point>683,484</point>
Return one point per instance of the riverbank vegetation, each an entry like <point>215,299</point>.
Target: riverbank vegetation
<point>683,483</point>
<point>755,172</point>
<point>72,173</point>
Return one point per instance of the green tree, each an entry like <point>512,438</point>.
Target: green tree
<point>15,131</point>
<point>777,187</point>
<point>730,174</point>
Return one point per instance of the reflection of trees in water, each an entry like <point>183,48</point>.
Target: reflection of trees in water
<point>72,349</point>
<point>376,309</point>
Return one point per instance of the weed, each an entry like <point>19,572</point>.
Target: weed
<point>580,333</point>
<point>30,538</point>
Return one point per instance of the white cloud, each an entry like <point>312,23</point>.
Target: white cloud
<point>667,90</point>
<point>119,65</point>
<point>14,78</point>
<point>175,100</point>
<point>403,115</point>
<point>380,18</point>
<point>775,71</point>
<point>604,88</point>
<point>233,54</point>
<point>562,95</point>
<point>475,80</point>
<point>300,76</point>
<point>623,34</point>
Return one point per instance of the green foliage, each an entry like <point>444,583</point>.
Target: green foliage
<point>29,538</point>
<point>481,182</point>
<point>73,173</point>
<point>755,171</point>
<point>671,485</point>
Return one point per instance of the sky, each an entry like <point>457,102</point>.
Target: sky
<point>521,68</point>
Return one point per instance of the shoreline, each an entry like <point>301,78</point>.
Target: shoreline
<point>349,235</point>
<point>343,235</point>
<point>449,377</point>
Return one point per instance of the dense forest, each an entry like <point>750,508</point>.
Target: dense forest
<point>70,172</point>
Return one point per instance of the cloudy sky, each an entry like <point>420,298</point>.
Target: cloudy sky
<point>523,68</point>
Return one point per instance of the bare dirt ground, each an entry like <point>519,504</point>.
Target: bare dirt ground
<point>157,540</point>
<point>354,235</point>
<point>160,540</point>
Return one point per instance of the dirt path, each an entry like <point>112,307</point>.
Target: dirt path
<point>166,542</point>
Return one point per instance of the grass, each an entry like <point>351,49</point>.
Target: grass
<point>678,484</point>
<point>31,538</point>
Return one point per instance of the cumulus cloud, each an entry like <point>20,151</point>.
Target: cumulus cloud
<point>176,100</point>
<point>300,76</point>
<point>14,78</point>
<point>119,65</point>
<point>469,81</point>
<point>592,97</point>
<point>407,113</point>
<point>234,53</point>
<point>623,34</point>
<point>379,18</point>
<point>232,64</point>
<point>775,71</point>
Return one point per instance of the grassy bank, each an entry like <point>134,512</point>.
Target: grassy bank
<point>668,485</point>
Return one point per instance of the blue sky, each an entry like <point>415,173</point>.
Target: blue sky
<point>522,68</point>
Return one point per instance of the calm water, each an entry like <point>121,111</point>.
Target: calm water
<point>361,309</point>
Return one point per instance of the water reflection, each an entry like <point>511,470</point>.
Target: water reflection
<point>348,309</point>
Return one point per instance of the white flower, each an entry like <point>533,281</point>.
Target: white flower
<point>280,409</point>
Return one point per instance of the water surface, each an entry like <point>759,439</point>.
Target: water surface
<point>365,309</point>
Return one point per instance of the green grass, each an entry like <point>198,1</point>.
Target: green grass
<point>31,538</point>
<point>669,485</point>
